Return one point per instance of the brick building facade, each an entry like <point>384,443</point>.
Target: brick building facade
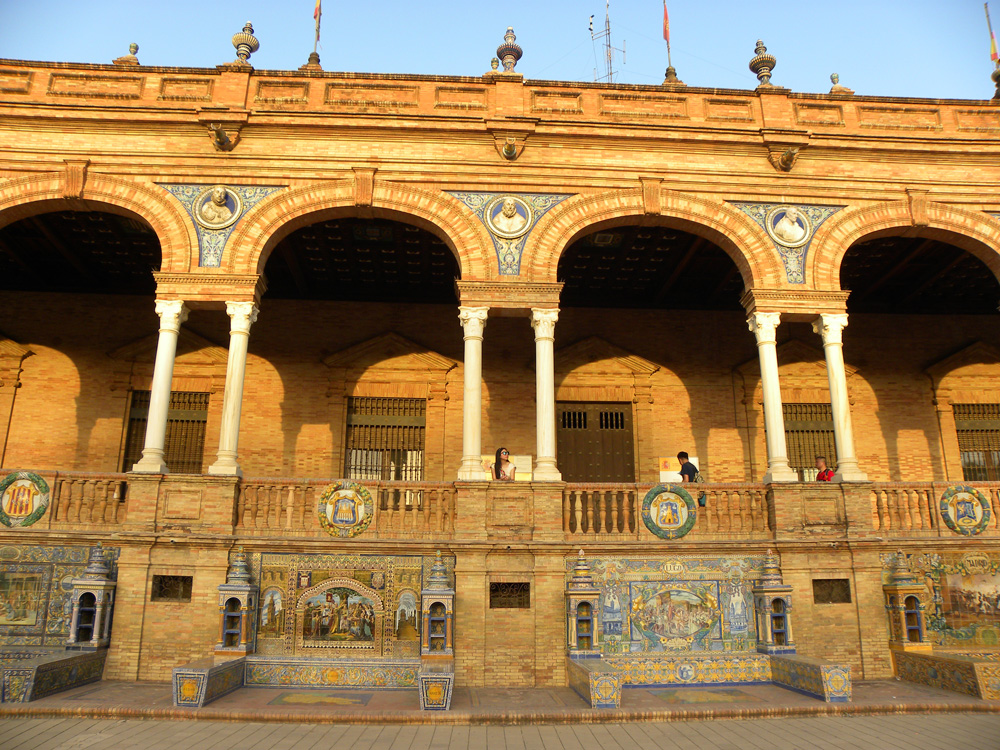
<point>360,217</point>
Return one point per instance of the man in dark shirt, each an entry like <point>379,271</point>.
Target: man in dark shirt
<point>688,470</point>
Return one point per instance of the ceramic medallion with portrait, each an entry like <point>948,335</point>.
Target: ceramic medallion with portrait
<point>217,207</point>
<point>345,509</point>
<point>508,216</point>
<point>788,226</point>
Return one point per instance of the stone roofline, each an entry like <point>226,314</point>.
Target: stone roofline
<point>505,97</point>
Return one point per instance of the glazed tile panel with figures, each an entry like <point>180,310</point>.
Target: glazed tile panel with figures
<point>676,605</point>
<point>340,606</point>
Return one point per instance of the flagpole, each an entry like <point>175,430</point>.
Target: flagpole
<point>993,50</point>
<point>318,13</point>
<point>666,33</point>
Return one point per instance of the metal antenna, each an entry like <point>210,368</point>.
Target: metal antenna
<point>609,48</point>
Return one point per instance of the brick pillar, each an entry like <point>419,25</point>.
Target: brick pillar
<point>471,601</point>
<point>470,510</point>
<point>876,661</point>
<point>130,613</point>
<point>648,471</point>
<point>550,620</point>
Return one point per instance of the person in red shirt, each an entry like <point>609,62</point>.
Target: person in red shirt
<point>825,474</point>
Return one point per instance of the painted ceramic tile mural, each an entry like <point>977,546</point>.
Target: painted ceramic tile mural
<point>680,604</point>
<point>359,606</point>
<point>35,591</point>
<point>963,597</point>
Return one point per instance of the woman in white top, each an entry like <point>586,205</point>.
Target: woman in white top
<point>503,470</point>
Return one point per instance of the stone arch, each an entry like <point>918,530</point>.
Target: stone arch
<point>274,218</point>
<point>975,232</point>
<point>23,197</point>
<point>742,239</point>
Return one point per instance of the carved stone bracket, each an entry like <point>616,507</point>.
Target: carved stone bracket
<point>223,127</point>
<point>784,146</point>
<point>364,186</point>
<point>74,177</point>
<point>509,138</point>
<point>917,202</point>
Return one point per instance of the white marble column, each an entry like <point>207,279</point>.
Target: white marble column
<point>543,320</point>
<point>242,316</point>
<point>764,326</point>
<point>172,314</point>
<point>831,328</point>
<point>473,322</point>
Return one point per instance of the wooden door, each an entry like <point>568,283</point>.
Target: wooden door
<point>594,442</point>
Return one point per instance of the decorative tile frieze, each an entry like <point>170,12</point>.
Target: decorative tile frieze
<point>215,210</point>
<point>509,219</point>
<point>791,229</point>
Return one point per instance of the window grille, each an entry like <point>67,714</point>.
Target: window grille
<point>385,438</point>
<point>831,591</point>
<point>513,595</point>
<point>171,589</point>
<point>809,433</point>
<point>184,447</point>
<point>574,420</point>
<point>978,428</point>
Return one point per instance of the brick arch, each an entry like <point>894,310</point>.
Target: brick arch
<point>276,217</point>
<point>29,196</point>
<point>975,232</point>
<point>739,236</point>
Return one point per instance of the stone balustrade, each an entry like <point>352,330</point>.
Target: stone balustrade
<point>85,498</point>
<point>604,511</point>
<point>913,508</point>
<point>401,509</point>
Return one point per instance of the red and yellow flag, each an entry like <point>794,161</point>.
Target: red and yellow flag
<point>993,39</point>
<point>319,11</point>
<point>666,24</point>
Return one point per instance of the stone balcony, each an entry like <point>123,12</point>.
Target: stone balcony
<point>285,509</point>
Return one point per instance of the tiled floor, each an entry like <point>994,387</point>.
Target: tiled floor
<point>922,732</point>
<point>128,700</point>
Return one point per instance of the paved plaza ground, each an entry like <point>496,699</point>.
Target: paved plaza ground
<point>918,732</point>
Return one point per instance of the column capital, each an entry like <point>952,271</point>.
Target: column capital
<point>473,320</point>
<point>764,326</point>
<point>243,314</point>
<point>172,314</point>
<point>831,327</point>
<point>543,320</point>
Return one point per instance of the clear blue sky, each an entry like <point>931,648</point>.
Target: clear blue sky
<point>926,48</point>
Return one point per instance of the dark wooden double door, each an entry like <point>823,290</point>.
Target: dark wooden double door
<point>594,442</point>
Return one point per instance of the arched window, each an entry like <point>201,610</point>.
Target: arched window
<point>911,613</point>
<point>232,626</point>
<point>438,622</point>
<point>779,628</point>
<point>584,626</point>
<point>85,618</point>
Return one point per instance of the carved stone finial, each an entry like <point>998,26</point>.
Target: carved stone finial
<point>97,564</point>
<point>239,570</point>
<point>670,77</point>
<point>763,64</point>
<point>130,58</point>
<point>246,44</point>
<point>313,63</point>
<point>995,75</point>
<point>508,52</point>
<point>438,578</point>
<point>837,88</point>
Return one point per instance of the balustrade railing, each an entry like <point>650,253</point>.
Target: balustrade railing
<point>400,508</point>
<point>914,508</point>
<point>614,510</point>
<point>86,498</point>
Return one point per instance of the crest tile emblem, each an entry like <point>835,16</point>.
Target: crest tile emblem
<point>24,498</point>
<point>965,510</point>
<point>669,511</point>
<point>345,509</point>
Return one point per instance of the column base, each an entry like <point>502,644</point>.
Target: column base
<point>150,465</point>
<point>472,470</point>
<point>546,473</point>
<point>780,474</point>
<point>226,467</point>
<point>850,474</point>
